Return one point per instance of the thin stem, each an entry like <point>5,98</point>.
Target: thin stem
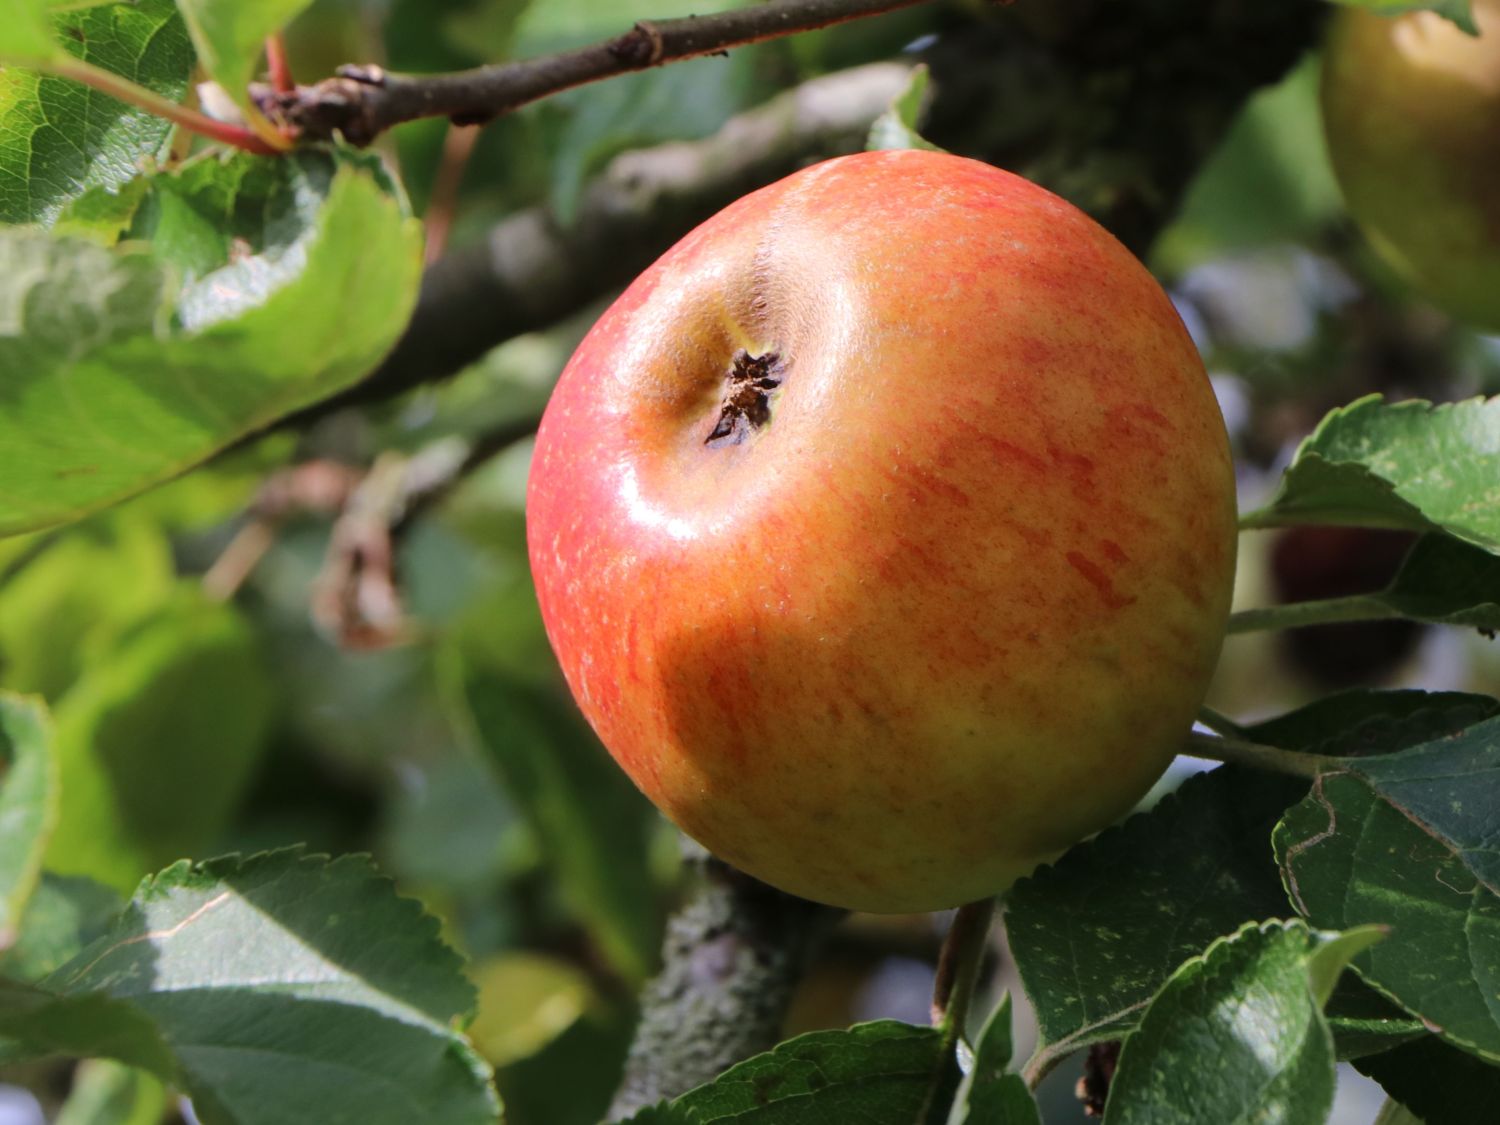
<point>1268,518</point>
<point>238,560</point>
<point>1299,615</point>
<point>1394,1113</point>
<point>276,63</point>
<point>190,119</point>
<point>1259,756</point>
<point>442,204</point>
<point>958,968</point>
<point>1219,723</point>
<point>365,101</point>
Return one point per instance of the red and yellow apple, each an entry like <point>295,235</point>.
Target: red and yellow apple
<point>884,529</point>
<point>1411,108</point>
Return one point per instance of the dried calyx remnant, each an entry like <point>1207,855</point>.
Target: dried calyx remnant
<point>747,396</point>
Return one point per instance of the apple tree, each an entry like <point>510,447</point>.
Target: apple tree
<point>298,820</point>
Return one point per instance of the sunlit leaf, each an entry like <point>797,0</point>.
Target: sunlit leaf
<point>274,989</point>
<point>230,36</point>
<point>28,804</point>
<point>1407,465</point>
<point>1238,1033</point>
<point>60,139</point>
<point>267,285</point>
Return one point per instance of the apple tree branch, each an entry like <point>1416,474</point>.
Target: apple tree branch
<point>732,956</point>
<point>361,102</point>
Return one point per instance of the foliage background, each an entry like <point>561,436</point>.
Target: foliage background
<point>192,724</point>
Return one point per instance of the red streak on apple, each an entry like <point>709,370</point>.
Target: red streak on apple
<point>944,592</point>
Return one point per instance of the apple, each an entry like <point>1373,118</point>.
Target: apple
<point>884,529</point>
<point>1411,108</point>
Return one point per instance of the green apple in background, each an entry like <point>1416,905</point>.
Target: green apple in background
<point>1411,107</point>
<point>885,530</point>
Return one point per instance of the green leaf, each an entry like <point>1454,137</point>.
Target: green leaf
<point>878,1073</point>
<point>28,805</point>
<point>59,138</point>
<point>1458,11</point>
<point>896,128</point>
<point>1269,182</point>
<point>107,1093</point>
<point>230,36</point>
<point>990,1093</point>
<point>1407,840</point>
<point>1407,465</point>
<point>588,126</point>
<point>63,915</point>
<point>1440,1084</point>
<point>68,603</point>
<point>273,989</point>
<point>1238,1033</point>
<point>1361,723</point>
<point>551,24</point>
<point>299,275</point>
<point>664,1113</point>
<point>681,102</point>
<point>594,827</point>
<point>102,214</point>
<point>526,1001</point>
<point>1446,582</point>
<point>26,34</point>
<point>158,741</point>
<point>1095,935</point>
<point>1365,1023</point>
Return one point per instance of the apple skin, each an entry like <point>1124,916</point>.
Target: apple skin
<point>954,605</point>
<point>1411,109</point>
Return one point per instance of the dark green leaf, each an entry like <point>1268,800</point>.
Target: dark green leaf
<point>990,1093</point>
<point>1406,465</point>
<point>1095,935</point>
<point>157,742</point>
<point>1365,1022</point>
<point>1459,11</point>
<point>58,138</point>
<point>28,804</point>
<point>897,127</point>
<point>1452,787</point>
<point>1441,1084</point>
<point>38,1023</point>
<point>1238,1033</point>
<point>874,1073</point>
<point>663,1114</point>
<point>1408,840</point>
<point>1360,723</point>
<point>299,273</point>
<point>592,823</point>
<point>1447,582</point>
<point>1443,581</point>
<point>279,988</point>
